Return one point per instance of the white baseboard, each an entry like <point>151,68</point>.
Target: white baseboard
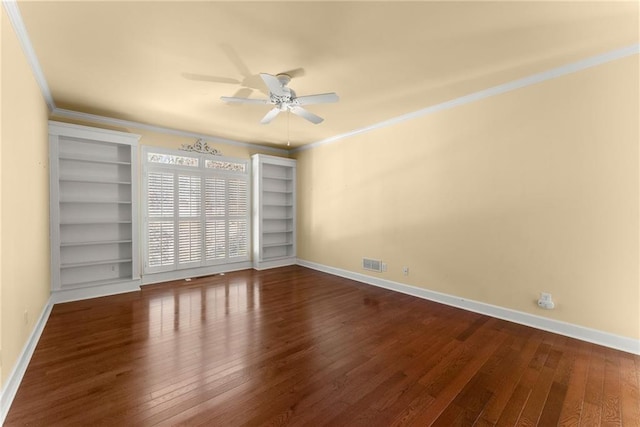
<point>282,262</point>
<point>67,295</point>
<point>582,333</point>
<point>10,386</point>
<point>167,276</point>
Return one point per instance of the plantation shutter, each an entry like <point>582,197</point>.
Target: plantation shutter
<point>215,222</point>
<point>189,219</point>
<point>238,209</point>
<point>161,227</point>
<point>197,210</point>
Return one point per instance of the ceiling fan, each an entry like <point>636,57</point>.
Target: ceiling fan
<point>285,99</point>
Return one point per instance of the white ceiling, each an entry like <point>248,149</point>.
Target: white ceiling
<point>168,63</point>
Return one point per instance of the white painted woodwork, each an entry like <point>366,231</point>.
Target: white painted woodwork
<point>94,211</point>
<point>274,211</point>
<point>201,204</point>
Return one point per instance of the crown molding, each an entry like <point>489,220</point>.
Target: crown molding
<point>11,6</point>
<point>486,93</point>
<point>94,118</point>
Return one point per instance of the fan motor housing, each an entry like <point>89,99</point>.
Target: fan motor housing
<point>284,79</point>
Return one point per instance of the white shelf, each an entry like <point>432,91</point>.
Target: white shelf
<point>87,159</point>
<point>94,222</point>
<point>91,263</point>
<point>89,201</point>
<point>94,243</point>
<point>94,181</point>
<point>91,283</point>
<point>279,178</point>
<point>272,245</point>
<point>274,202</point>
<point>93,208</point>
<point>276,191</point>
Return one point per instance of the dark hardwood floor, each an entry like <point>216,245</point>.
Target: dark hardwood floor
<point>299,347</point>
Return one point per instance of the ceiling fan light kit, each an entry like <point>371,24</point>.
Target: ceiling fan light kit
<point>285,99</point>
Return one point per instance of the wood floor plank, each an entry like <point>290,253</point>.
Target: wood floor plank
<point>511,413</point>
<point>574,398</point>
<point>612,398</point>
<point>539,392</point>
<point>506,377</point>
<point>293,346</point>
<point>630,389</point>
<point>553,405</point>
<point>458,375</point>
<point>593,394</point>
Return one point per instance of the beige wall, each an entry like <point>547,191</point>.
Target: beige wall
<point>24,259</point>
<point>495,201</point>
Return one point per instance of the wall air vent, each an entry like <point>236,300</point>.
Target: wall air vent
<point>372,264</point>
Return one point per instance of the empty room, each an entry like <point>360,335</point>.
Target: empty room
<point>320,213</point>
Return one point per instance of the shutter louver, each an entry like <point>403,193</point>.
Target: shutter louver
<point>189,242</point>
<point>238,238</point>
<point>238,198</point>
<point>215,239</point>
<point>161,244</point>
<point>215,230</point>
<point>238,209</point>
<point>161,231</point>
<point>188,196</point>
<point>160,195</point>
<point>215,197</point>
<point>189,223</point>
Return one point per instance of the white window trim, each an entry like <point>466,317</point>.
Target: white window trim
<point>186,270</point>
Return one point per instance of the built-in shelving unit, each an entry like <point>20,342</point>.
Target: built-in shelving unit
<point>94,235</point>
<point>274,211</point>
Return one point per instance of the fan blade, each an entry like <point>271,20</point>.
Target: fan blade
<point>273,84</point>
<point>299,111</point>
<point>233,99</point>
<point>270,115</point>
<point>322,98</point>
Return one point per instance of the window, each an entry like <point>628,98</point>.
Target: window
<point>196,210</point>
